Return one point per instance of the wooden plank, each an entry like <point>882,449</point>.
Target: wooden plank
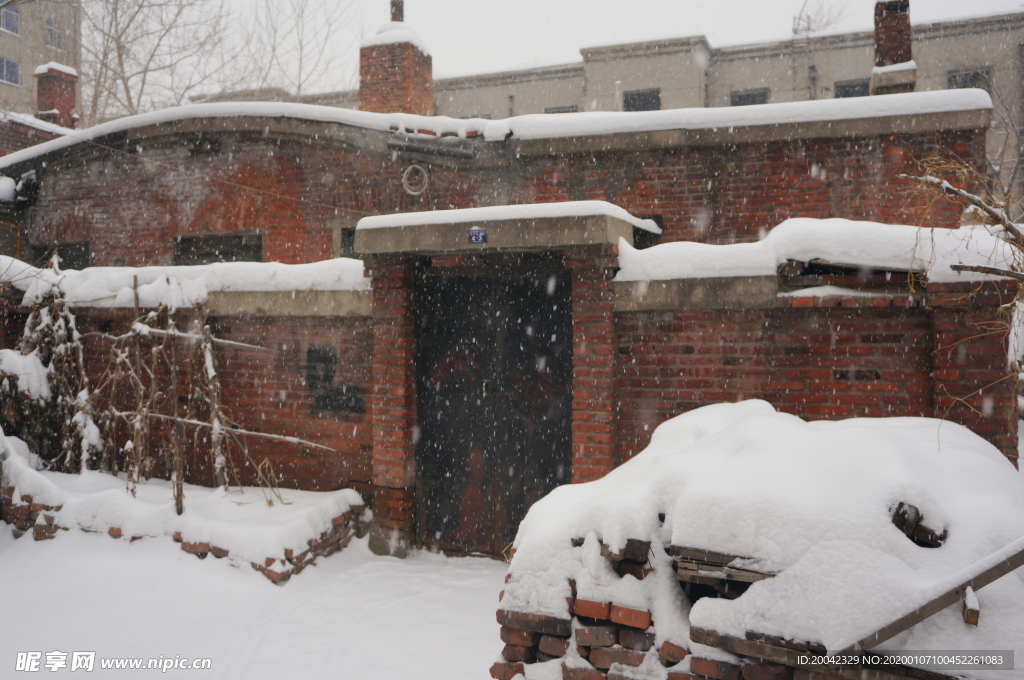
<point>1013,560</point>
<point>717,571</point>
<point>706,556</point>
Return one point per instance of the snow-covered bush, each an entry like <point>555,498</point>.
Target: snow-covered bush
<point>44,396</point>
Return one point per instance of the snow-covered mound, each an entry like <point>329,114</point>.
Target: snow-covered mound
<point>839,241</point>
<point>239,521</point>
<point>179,286</point>
<point>810,501</point>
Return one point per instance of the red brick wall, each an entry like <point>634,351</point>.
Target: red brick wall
<point>15,136</point>
<point>396,78</point>
<point>822,358</point>
<point>267,392</point>
<point>169,191</point>
<point>723,194</point>
<point>55,92</point>
<point>287,190</point>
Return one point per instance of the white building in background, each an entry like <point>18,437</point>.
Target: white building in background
<point>33,33</point>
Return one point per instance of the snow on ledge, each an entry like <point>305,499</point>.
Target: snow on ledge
<point>544,126</point>
<point>837,241</point>
<point>393,33</point>
<point>239,521</point>
<point>902,66</point>
<point>179,286</point>
<point>56,66</point>
<point>528,211</point>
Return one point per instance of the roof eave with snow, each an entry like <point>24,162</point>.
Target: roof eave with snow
<point>540,133</point>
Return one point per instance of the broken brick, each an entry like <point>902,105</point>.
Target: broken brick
<point>516,636</point>
<point>634,618</point>
<point>766,671</point>
<point>506,671</point>
<point>277,577</point>
<point>554,646</point>
<point>597,636</point>
<point>719,670</point>
<point>195,548</point>
<point>604,657</point>
<point>518,653</point>
<point>591,609</point>
<point>114,532</point>
<point>671,653</point>
<point>539,623</point>
<point>582,674</point>
<point>638,640</point>
<point>43,532</point>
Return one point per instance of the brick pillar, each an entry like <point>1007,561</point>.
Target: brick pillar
<point>970,362</point>
<point>593,361</point>
<point>393,404</point>
<point>892,32</point>
<point>395,74</point>
<point>55,94</point>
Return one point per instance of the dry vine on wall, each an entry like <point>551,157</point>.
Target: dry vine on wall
<point>158,391</point>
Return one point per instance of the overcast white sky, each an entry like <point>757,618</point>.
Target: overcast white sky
<point>477,36</point>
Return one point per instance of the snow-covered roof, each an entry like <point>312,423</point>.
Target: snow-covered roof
<point>809,501</point>
<point>394,32</point>
<point>543,126</point>
<point>29,120</point>
<point>838,241</point>
<point>529,211</point>
<point>56,66</point>
<point>179,286</point>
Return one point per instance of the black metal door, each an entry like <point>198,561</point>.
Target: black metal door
<point>494,375</point>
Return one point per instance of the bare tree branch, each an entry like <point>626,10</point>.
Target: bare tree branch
<point>987,270</point>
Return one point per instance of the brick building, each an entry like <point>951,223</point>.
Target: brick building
<point>441,375</point>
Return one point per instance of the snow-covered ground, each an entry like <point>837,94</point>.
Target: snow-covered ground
<point>352,615</point>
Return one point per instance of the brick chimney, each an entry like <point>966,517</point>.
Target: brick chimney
<point>895,70</point>
<point>55,94</point>
<point>396,72</point>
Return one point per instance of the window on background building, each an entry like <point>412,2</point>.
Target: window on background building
<point>749,97</point>
<point>10,71</point>
<point>193,250</point>
<point>72,255</point>
<point>642,100</point>
<point>10,20</point>
<point>853,88</point>
<point>485,116</point>
<point>978,78</point>
<point>562,109</point>
<point>54,37</point>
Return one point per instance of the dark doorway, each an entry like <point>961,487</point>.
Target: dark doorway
<point>494,379</point>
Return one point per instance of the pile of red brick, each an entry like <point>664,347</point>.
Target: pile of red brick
<point>24,514</point>
<point>605,634</point>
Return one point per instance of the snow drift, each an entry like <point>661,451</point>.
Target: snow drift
<point>812,501</point>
